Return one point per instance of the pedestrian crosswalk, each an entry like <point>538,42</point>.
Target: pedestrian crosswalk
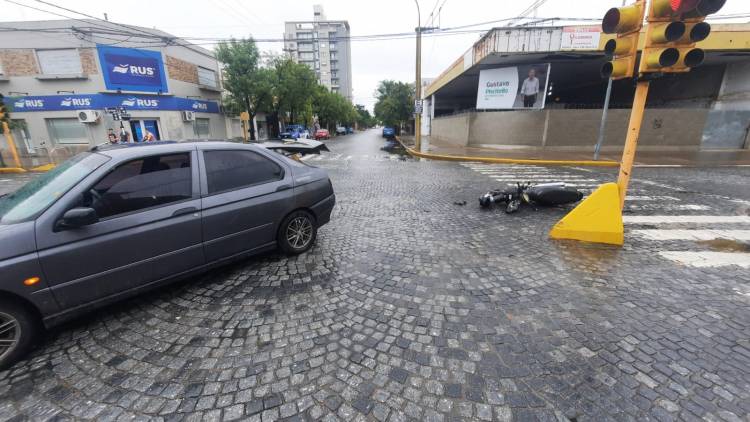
<point>332,157</point>
<point>688,234</point>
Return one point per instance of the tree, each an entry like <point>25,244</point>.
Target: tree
<point>364,118</point>
<point>332,108</point>
<point>295,86</point>
<point>250,86</point>
<point>395,103</point>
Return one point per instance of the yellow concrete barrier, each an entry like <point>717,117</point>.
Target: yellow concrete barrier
<point>597,219</point>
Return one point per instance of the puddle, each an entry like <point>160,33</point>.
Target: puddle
<point>725,245</point>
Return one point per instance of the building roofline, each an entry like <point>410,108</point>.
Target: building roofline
<point>97,25</point>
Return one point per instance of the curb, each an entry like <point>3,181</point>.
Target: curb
<point>11,170</point>
<point>439,157</point>
<point>46,167</point>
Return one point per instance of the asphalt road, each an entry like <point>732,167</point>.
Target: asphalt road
<point>411,307</point>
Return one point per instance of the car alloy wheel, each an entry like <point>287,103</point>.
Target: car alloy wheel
<point>299,232</point>
<point>10,334</point>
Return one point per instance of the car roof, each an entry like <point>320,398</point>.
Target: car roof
<point>137,149</point>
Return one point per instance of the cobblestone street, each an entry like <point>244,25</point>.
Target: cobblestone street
<point>413,307</point>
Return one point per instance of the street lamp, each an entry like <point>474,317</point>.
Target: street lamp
<point>418,86</point>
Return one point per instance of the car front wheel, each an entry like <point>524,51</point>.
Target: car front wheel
<point>18,330</point>
<point>297,233</point>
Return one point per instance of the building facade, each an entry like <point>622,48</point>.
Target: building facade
<point>60,78</point>
<point>478,101</point>
<point>325,46</point>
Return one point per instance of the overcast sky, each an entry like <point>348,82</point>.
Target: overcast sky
<point>372,61</point>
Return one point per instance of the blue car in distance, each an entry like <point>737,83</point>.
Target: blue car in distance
<point>294,132</point>
<point>389,132</point>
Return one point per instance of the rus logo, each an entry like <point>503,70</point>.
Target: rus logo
<point>138,102</point>
<point>126,69</point>
<point>76,102</point>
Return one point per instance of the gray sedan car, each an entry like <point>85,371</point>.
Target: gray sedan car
<point>121,219</point>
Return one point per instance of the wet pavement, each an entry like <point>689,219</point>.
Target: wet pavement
<point>413,308</point>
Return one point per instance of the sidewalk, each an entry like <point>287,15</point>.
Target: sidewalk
<point>644,158</point>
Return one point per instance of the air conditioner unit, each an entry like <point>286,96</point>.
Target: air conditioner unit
<point>88,116</point>
<point>188,116</point>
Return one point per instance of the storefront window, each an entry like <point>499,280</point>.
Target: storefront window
<point>67,131</point>
<point>202,128</point>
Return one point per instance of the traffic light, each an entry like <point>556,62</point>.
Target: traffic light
<point>626,22</point>
<point>675,26</point>
<point>4,115</point>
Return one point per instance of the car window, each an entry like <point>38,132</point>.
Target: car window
<point>233,169</point>
<point>140,184</point>
<point>34,197</point>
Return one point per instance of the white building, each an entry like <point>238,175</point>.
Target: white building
<point>325,46</point>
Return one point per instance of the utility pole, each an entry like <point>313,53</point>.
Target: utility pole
<point>418,87</point>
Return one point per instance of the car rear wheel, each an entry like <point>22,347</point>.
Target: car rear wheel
<point>297,233</point>
<point>18,330</point>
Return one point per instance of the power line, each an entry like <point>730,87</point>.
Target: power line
<point>168,40</point>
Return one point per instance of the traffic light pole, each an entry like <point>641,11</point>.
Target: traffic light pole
<point>11,144</point>
<point>631,142</point>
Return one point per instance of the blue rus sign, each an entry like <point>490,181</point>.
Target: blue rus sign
<point>130,69</point>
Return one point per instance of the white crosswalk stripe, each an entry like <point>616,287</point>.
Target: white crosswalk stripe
<point>674,227</point>
<point>680,234</point>
<point>707,259</point>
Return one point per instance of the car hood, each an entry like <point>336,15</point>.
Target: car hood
<point>17,239</point>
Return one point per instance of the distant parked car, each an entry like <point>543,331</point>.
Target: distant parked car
<point>389,132</point>
<point>121,219</point>
<point>340,130</point>
<point>294,132</point>
<point>322,134</point>
<point>349,130</point>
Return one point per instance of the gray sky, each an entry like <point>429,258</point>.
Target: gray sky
<point>372,61</point>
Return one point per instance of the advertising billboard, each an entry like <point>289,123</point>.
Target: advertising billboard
<point>581,37</point>
<point>517,87</point>
<point>130,69</point>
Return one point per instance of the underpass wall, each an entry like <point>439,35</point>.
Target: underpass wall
<point>667,129</point>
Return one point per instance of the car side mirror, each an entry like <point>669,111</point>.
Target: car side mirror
<point>77,217</point>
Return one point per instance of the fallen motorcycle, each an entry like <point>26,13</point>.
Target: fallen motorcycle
<point>546,195</point>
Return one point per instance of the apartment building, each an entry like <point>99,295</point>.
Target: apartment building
<point>325,46</point>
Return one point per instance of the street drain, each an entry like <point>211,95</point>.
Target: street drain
<point>725,245</point>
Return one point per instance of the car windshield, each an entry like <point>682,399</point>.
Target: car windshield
<point>34,197</point>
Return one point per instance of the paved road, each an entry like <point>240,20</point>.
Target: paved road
<point>413,308</point>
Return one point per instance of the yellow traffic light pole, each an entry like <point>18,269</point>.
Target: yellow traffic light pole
<point>631,142</point>
<point>11,144</point>
<point>674,28</point>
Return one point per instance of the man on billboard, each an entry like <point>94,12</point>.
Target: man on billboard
<point>530,89</point>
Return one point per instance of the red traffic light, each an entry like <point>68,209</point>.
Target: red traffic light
<point>683,6</point>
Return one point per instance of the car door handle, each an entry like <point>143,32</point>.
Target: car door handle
<point>183,211</point>
<point>283,187</point>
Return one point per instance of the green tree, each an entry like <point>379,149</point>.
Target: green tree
<point>395,103</point>
<point>332,108</point>
<point>249,85</point>
<point>364,118</point>
<point>295,86</point>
